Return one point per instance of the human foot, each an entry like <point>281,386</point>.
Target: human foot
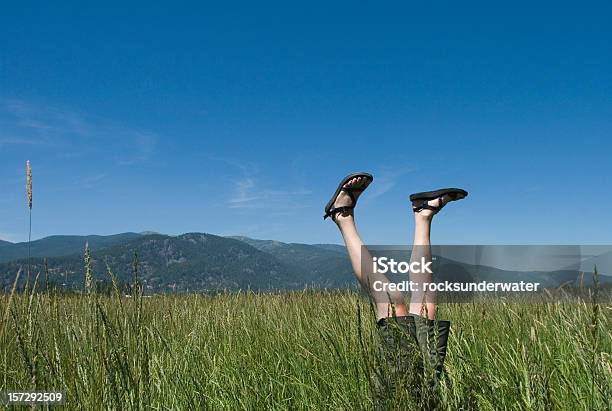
<point>344,203</point>
<point>429,203</point>
<point>347,193</point>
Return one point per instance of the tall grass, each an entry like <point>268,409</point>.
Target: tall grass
<point>300,350</point>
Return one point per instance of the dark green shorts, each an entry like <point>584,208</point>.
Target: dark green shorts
<point>411,354</point>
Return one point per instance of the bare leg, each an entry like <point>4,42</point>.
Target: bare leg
<point>423,302</point>
<point>386,304</point>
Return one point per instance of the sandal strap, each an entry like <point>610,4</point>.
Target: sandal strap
<point>344,210</point>
<point>423,205</point>
<point>350,191</point>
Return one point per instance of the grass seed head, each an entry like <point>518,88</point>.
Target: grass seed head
<point>29,183</point>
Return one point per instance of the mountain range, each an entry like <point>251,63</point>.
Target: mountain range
<point>207,262</point>
<point>187,262</point>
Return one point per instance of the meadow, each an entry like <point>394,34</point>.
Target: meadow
<point>299,350</point>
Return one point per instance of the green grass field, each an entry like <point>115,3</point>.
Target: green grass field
<point>304,350</point>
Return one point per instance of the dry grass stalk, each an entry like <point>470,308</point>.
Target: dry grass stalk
<point>29,183</point>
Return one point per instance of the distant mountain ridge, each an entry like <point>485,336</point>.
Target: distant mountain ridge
<point>188,262</point>
<point>60,245</point>
<point>207,262</point>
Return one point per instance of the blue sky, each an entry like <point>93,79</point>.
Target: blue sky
<point>241,120</point>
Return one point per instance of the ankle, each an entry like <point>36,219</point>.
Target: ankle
<point>424,216</point>
<point>344,219</point>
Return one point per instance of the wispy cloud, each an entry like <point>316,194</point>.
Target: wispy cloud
<point>243,196</point>
<point>249,194</point>
<point>250,190</point>
<point>246,168</point>
<point>43,119</point>
<point>8,141</point>
<point>93,180</point>
<point>387,178</point>
<point>26,123</point>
